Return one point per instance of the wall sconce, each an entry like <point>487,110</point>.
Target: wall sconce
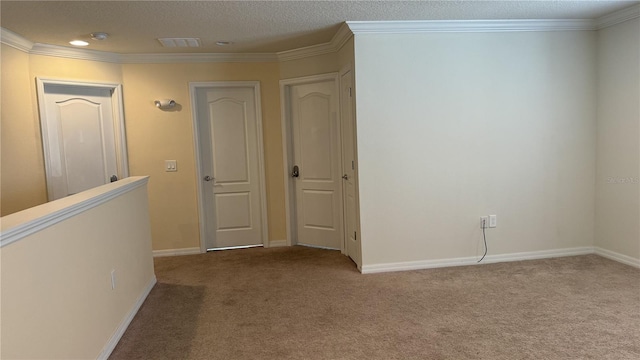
<point>165,104</point>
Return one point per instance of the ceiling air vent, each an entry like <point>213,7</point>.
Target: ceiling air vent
<point>180,42</point>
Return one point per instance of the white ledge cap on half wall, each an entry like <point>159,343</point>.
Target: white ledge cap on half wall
<point>14,227</point>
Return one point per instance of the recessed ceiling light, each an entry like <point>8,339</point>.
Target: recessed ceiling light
<point>224,43</point>
<point>78,43</point>
<point>99,36</point>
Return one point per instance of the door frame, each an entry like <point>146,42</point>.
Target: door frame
<point>193,88</point>
<point>120,141</point>
<point>287,147</point>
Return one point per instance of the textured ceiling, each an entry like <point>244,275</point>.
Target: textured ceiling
<point>253,26</point>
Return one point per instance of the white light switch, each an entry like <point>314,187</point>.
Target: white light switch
<point>493,221</point>
<point>170,165</point>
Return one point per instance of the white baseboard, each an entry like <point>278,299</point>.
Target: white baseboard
<point>115,338</point>
<point>543,254</point>
<point>430,264</point>
<point>176,252</point>
<point>628,260</point>
<point>277,243</point>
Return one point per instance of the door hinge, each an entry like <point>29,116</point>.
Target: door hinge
<point>349,92</point>
<point>355,235</point>
<point>352,165</point>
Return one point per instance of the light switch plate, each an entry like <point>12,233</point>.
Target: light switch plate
<point>493,221</point>
<point>170,165</point>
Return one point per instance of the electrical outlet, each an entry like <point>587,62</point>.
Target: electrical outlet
<point>493,221</point>
<point>113,279</point>
<point>484,222</point>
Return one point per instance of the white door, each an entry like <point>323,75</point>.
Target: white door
<point>78,138</point>
<point>349,167</point>
<point>228,137</point>
<point>316,145</point>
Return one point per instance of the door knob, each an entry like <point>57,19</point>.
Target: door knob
<point>295,172</point>
<point>208,178</point>
<point>345,177</point>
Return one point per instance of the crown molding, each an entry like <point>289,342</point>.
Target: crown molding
<point>346,31</point>
<point>308,51</point>
<point>196,58</point>
<point>336,43</point>
<point>617,17</point>
<point>14,40</point>
<point>342,36</point>
<point>86,54</point>
<point>426,26</point>
<point>73,53</point>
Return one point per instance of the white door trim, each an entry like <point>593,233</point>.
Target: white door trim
<point>287,144</point>
<point>118,123</point>
<point>193,87</point>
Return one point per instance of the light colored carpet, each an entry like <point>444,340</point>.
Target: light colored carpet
<point>303,303</point>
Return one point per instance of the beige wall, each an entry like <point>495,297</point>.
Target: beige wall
<point>618,146</point>
<point>500,78</point>
<point>154,136</point>
<point>453,126</point>
<point>22,165</point>
<point>23,177</point>
<point>72,69</point>
<point>57,301</point>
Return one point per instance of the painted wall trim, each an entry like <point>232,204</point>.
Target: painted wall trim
<point>301,53</point>
<point>196,58</point>
<point>426,26</point>
<point>430,264</point>
<point>617,17</point>
<point>339,39</point>
<point>277,243</point>
<point>23,223</point>
<point>117,335</point>
<point>612,255</point>
<point>336,43</point>
<point>14,40</point>
<point>73,53</point>
<point>177,252</point>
